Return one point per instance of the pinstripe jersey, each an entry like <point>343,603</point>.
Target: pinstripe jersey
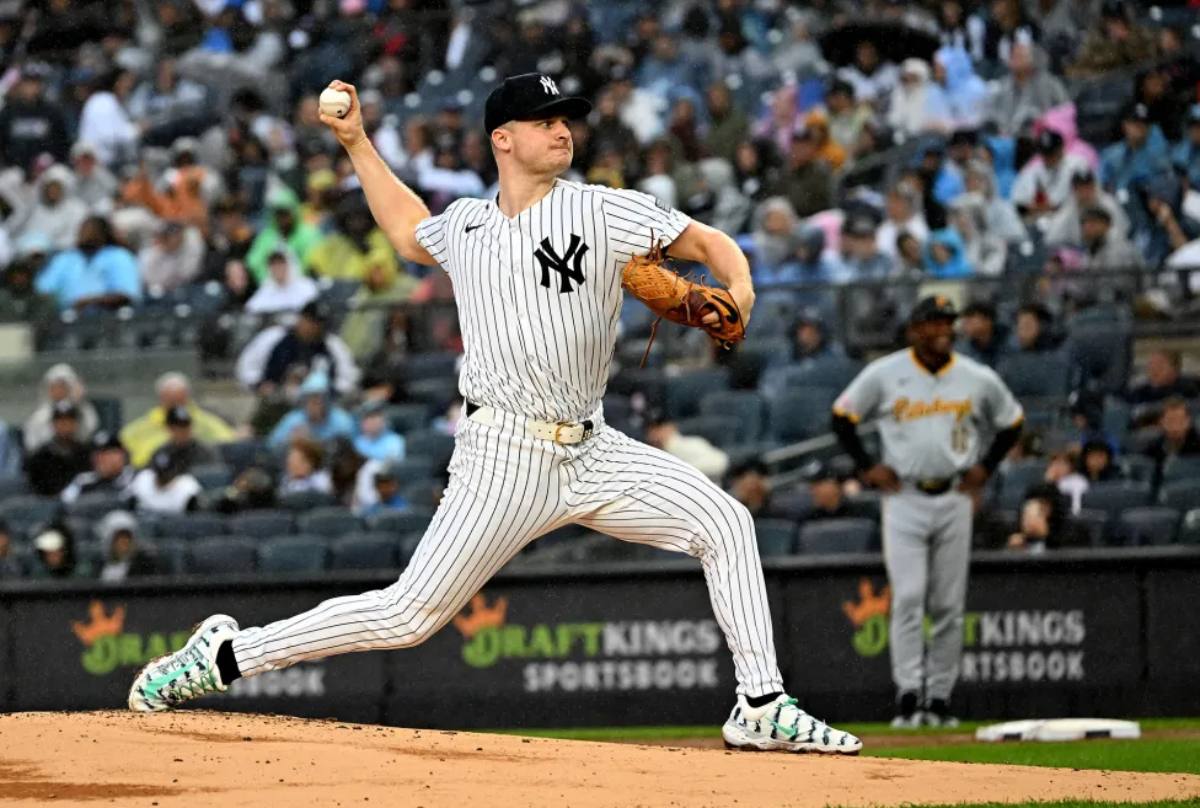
<point>539,295</point>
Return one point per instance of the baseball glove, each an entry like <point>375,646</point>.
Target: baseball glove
<point>681,300</point>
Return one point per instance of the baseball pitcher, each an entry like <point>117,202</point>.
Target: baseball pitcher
<point>537,274</point>
<point>935,408</point>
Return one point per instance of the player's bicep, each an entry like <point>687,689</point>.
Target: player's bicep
<point>861,399</point>
<point>406,242</point>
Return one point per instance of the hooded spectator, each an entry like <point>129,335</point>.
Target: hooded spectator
<point>165,485</point>
<point>847,116</point>
<point>918,104</point>
<point>284,289</point>
<point>278,351</point>
<point>124,556</point>
<point>173,259</point>
<point>30,124</point>
<point>902,214</point>
<point>1026,92</point>
<point>828,149</point>
<point>284,229</point>
<point>370,307</point>
<point>104,120</point>
<point>984,251</point>
<point>811,339</point>
<point>53,465</point>
<point>965,93</point>
<point>356,245</point>
<point>144,435</point>
<point>315,417</point>
<point>1000,215</point>
<point>775,236</point>
<point>945,256</point>
<point>60,383</point>
<point>95,185</point>
<point>57,212</point>
<point>54,555</point>
<point>99,273</point>
<point>110,473</point>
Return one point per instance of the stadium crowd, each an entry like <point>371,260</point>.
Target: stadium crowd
<point>162,155</point>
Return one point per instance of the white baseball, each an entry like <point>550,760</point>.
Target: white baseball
<point>334,102</point>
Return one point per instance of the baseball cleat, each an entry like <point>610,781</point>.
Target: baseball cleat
<point>907,714</point>
<point>186,674</point>
<point>937,714</point>
<point>783,726</point>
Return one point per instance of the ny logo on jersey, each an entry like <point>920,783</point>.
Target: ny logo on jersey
<point>549,86</point>
<point>567,272</point>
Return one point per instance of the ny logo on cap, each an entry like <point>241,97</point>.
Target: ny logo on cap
<point>549,86</point>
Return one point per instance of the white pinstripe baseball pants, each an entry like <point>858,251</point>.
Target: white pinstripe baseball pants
<point>505,490</point>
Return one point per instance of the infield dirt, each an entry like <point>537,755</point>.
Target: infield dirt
<point>206,758</point>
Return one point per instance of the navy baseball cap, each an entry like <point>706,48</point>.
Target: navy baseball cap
<point>935,307</point>
<point>529,97</point>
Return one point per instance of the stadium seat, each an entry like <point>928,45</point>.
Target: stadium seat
<point>1095,522</point>
<point>685,391</point>
<point>650,382</point>
<point>719,430</point>
<point>1100,356</point>
<point>222,555</point>
<point>13,487</point>
<point>1138,527</point>
<point>837,536</point>
<point>430,366</point>
<point>306,500</point>
<point>1036,375</point>
<point>414,467</point>
<point>1181,468</point>
<point>212,476</point>
<point>435,392</point>
<point>96,504</point>
<point>1116,417</point>
<point>363,551</point>
<point>1117,495</point>
<point>1183,495</point>
<point>1017,478</point>
<point>1138,467</point>
<point>188,526</point>
<point>422,493</point>
<point>406,545</point>
<point>828,371</point>
<point>293,554</point>
<point>745,406</point>
<point>617,410</point>
<point>262,523</point>
<point>329,521</point>
<point>776,537</point>
<point>240,455</point>
<point>171,555</point>
<point>436,446</point>
<point>406,418</point>
<point>395,523</point>
<point>108,413</point>
<point>21,513</point>
<point>801,413</point>
<point>1189,528</point>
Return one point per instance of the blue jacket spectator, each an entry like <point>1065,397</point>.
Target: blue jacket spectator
<point>1186,154</point>
<point>945,257</point>
<point>1141,155</point>
<point>317,417</point>
<point>376,440</point>
<point>98,273</point>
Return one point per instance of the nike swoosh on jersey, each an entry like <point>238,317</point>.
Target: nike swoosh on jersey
<point>471,227</point>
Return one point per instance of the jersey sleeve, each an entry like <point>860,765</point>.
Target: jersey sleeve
<point>862,398</point>
<point>431,234</point>
<point>1003,409</point>
<point>636,221</point>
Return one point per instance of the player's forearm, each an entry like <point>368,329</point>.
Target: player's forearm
<point>728,263</point>
<point>847,434</point>
<point>1004,441</point>
<point>396,207</point>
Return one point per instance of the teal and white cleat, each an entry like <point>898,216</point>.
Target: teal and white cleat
<point>188,673</point>
<point>783,726</point>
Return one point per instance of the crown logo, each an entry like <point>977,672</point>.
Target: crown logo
<point>99,624</point>
<point>870,603</point>
<point>479,615</point>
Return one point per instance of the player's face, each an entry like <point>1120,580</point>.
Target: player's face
<point>934,336</point>
<point>542,147</point>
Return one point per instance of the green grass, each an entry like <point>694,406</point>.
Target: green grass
<point>1146,755</point>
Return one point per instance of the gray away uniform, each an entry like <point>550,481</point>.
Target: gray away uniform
<point>933,427</point>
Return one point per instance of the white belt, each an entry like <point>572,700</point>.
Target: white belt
<point>563,432</point>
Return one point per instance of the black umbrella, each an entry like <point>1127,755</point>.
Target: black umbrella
<point>894,41</point>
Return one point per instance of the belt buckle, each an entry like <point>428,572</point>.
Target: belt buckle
<point>558,428</point>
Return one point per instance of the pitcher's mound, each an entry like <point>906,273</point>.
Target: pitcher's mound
<point>227,759</point>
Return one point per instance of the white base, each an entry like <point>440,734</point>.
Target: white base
<point>1059,729</point>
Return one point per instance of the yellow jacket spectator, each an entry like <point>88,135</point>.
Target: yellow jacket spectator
<point>364,327</point>
<point>354,246</point>
<point>145,435</point>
